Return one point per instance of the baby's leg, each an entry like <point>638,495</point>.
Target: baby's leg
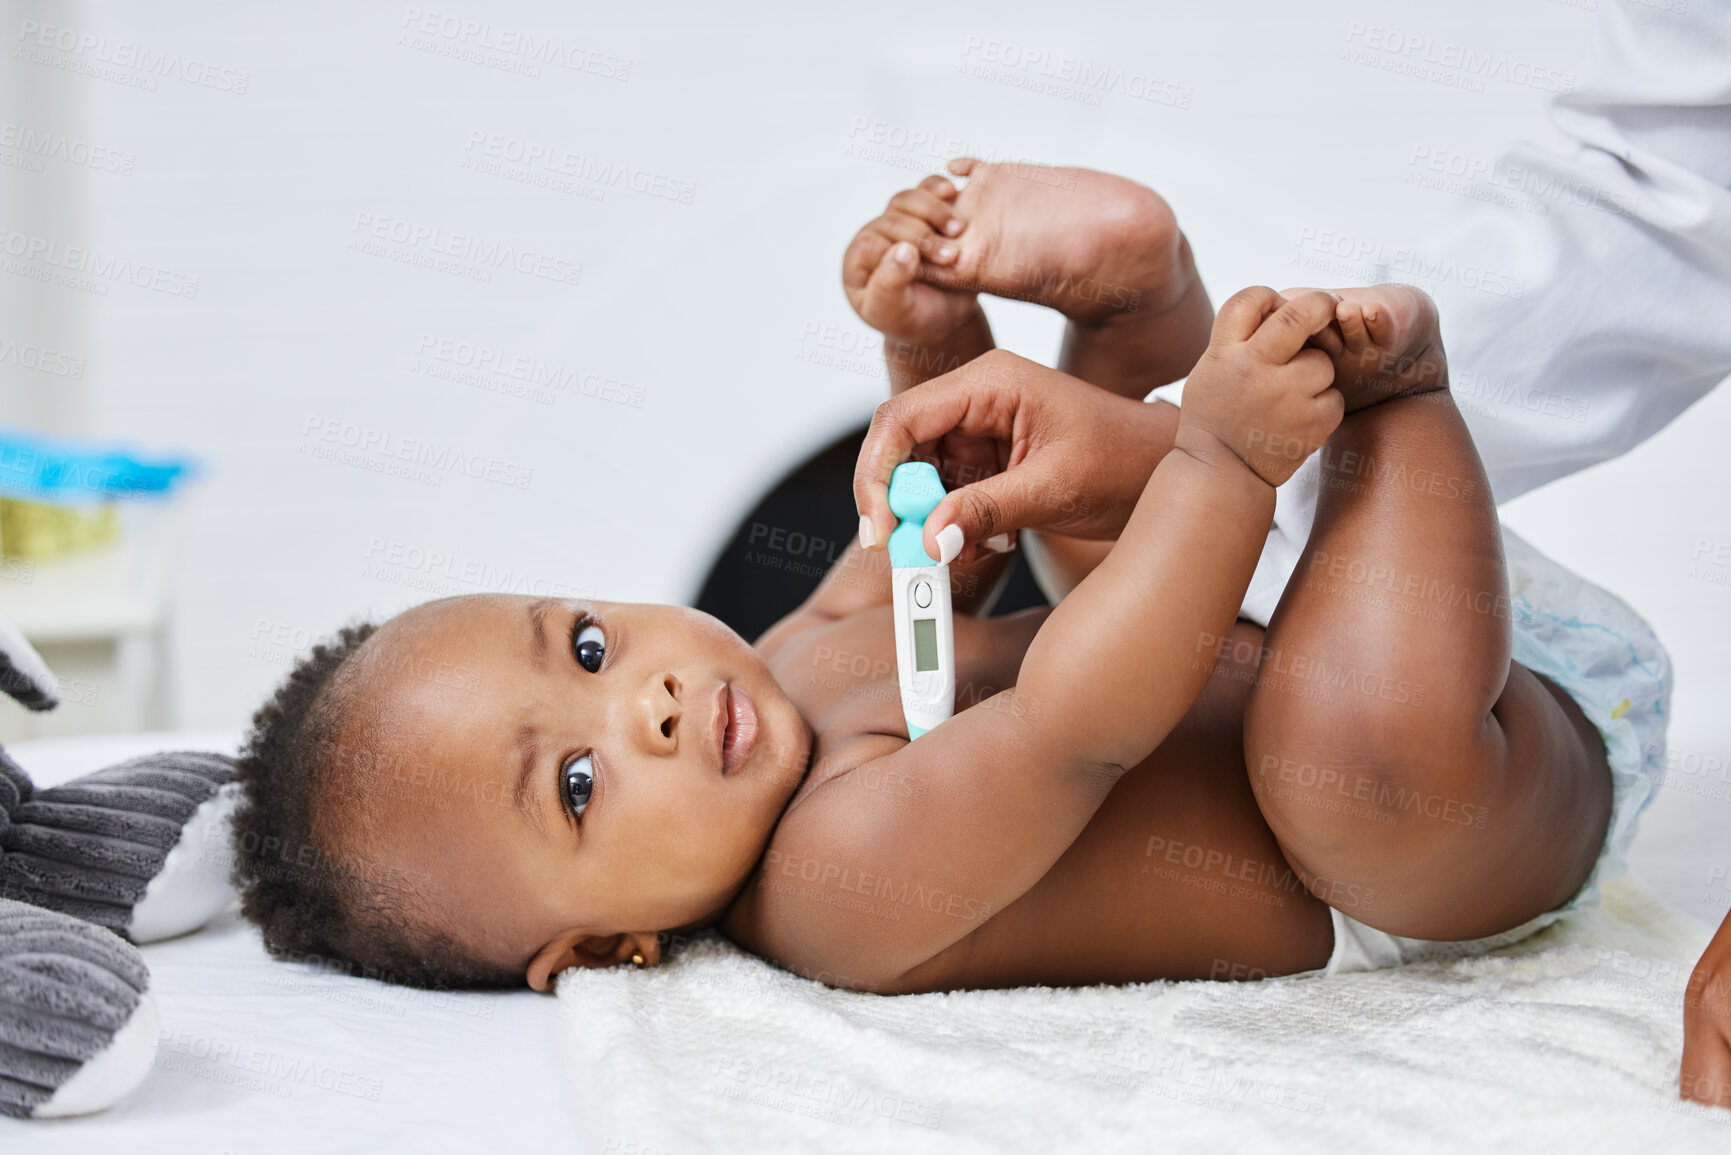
<point>1416,777</point>
<point>1101,249</point>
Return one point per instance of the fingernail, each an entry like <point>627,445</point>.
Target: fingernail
<point>952,227</point>
<point>945,252</point>
<point>949,543</point>
<point>998,543</point>
<point>1336,296</point>
<point>868,533</point>
<point>904,253</point>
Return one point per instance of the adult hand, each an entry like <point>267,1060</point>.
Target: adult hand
<point>1074,458</point>
<point>1706,1072</point>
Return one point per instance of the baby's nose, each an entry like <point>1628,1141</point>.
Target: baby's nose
<point>665,710</point>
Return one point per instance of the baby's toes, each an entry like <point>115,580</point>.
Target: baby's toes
<point>902,227</point>
<point>950,226</point>
<point>939,187</point>
<point>1381,324</point>
<point>1354,331</point>
<point>925,205</point>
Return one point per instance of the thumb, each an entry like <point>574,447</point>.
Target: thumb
<point>975,513</point>
<point>1244,311</point>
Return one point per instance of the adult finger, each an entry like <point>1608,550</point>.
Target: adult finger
<point>1705,1075</point>
<point>996,506</point>
<point>1279,338</point>
<point>962,401</point>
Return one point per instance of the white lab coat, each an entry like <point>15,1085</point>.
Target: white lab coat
<point>1609,313</point>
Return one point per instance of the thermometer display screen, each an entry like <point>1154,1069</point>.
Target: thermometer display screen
<point>925,644</point>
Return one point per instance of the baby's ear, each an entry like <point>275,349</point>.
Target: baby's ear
<point>576,948</point>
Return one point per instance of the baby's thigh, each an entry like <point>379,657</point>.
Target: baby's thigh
<point>1450,841</point>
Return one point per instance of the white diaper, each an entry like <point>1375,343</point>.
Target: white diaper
<point>1599,652</point>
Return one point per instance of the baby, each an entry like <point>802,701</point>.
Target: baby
<point>489,790</point>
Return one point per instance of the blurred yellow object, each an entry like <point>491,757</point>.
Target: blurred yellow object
<point>38,531</point>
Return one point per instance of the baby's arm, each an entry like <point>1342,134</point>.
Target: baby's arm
<point>1004,788</point>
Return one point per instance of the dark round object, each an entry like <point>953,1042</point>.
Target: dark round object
<point>785,545</point>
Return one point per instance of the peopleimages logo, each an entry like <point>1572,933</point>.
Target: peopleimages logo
<point>551,160</point>
<point>463,253</point>
<point>85,51</point>
<point>517,374</point>
<point>38,145</point>
<point>1344,254</point>
<point>90,269</point>
<point>1064,76</point>
<point>1445,62</point>
<point>501,46</point>
<point>415,458</point>
<point>28,356</point>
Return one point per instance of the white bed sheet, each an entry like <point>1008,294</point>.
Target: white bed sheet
<point>1567,1042</point>
<point>260,1056</point>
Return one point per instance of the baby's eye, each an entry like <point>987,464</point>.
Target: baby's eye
<point>591,647</point>
<point>578,780</point>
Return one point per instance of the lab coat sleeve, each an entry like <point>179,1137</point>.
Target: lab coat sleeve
<point>1586,300</point>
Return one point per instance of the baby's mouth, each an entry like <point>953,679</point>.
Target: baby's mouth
<point>739,735</point>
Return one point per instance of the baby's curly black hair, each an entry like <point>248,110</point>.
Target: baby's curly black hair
<point>308,898</point>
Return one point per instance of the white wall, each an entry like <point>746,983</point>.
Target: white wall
<point>705,311</point>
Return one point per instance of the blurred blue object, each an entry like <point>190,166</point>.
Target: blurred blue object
<point>66,472</point>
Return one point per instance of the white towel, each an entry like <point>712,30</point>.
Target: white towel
<point>1569,1041</point>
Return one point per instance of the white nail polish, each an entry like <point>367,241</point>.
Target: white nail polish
<point>998,543</point>
<point>868,533</point>
<point>949,543</point>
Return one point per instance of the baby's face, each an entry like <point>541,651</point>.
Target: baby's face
<point>544,765</point>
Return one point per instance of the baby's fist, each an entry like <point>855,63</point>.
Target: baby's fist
<point>1258,391</point>
<point>881,269</point>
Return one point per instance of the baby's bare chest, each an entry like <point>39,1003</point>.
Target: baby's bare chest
<point>1106,911</point>
<point>842,675</point>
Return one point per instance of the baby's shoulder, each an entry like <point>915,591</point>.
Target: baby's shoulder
<point>772,915</point>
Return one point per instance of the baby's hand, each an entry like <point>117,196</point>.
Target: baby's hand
<point>881,268</point>
<point>1258,391</point>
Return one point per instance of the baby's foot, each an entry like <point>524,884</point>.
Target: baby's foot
<point>1091,245</point>
<point>1385,343</point>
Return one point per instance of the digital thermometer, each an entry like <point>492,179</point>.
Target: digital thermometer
<point>925,633</point>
